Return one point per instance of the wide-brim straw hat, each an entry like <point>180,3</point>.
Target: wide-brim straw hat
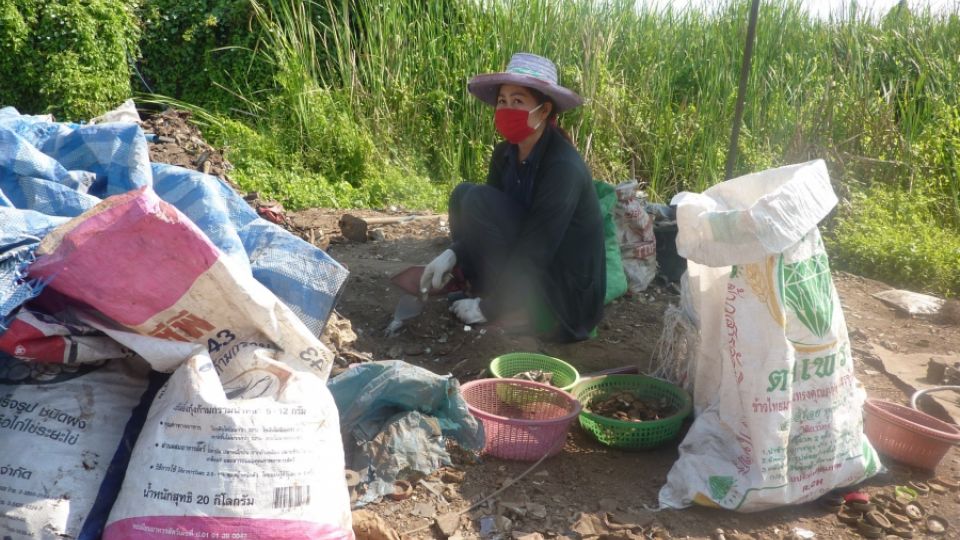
<point>528,70</point>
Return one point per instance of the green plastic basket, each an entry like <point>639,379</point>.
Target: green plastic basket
<point>632,435</point>
<point>508,365</point>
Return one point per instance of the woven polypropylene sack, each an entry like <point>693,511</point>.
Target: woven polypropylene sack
<point>779,407</point>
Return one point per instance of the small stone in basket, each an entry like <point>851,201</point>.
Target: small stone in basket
<point>627,407</point>
<point>536,375</point>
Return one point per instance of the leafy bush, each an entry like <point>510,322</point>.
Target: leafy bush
<point>326,137</point>
<point>894,236</point>
<point>66,57</point>
<point>263,164</point>
<point>202,51</point>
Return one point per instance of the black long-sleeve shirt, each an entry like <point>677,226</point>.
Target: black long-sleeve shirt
<point>560,247</point>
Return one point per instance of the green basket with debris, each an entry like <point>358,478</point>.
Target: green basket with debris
<point>535,367</point>
<point>632,412</point>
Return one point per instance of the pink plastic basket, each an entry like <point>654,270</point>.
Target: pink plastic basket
<point>906,434</point>
<point>522,420</point>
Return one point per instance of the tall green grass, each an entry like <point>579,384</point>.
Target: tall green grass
<point>369,94</point>
<point>660,84</point>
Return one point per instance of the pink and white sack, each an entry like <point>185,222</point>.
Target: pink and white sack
<point>155,283</point>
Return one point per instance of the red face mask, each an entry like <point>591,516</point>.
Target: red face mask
<point>514,124</point>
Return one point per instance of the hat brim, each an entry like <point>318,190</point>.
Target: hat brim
<point>486,87</point>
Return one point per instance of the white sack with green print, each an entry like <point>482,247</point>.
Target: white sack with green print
<point>778,406</point>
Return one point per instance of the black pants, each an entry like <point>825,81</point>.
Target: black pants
<point>484,223</point>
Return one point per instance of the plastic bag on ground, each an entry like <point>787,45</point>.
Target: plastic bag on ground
<point>638,247</point>
<point>125,112</point>
<point>780,409</point>
<point>396,417</point>
<point>616,279</point>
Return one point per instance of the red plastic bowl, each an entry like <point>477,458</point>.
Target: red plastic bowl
<point>908,435</point>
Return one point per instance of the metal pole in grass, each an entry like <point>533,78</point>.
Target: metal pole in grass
<point>742,90</point>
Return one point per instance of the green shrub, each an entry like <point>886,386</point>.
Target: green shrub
<point>324,134</point>
<point>202,51</point>
<point>896,237</point>
<point>264,164</point>
<point>299,188</point>
<point>66,57</point>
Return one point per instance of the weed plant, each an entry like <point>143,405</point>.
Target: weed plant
<point>369,106</point>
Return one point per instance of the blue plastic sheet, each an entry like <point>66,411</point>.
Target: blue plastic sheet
<point>396,417</point>
<point>50,172</point>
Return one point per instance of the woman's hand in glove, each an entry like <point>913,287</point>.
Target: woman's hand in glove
<point>438,271</point>
<point>468,311</point>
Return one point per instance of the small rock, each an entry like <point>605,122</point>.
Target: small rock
<point>517,535</point>
<point>537,510</point>
<point>541,473</point>
<point>588,525</point>
<point>424,509</point>
<point>370,526</point>
<point>395,352</point>
<point>492,525</point>
<point>477,515</point>
<point>609,505</point>
<point>639,518</point>
<point>515,509</point>
<point>451,476</point>
<point>448,523</point>
<point>377,235</point>
<point>658,533</point>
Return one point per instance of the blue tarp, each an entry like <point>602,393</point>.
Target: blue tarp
<point>395,417</point>
<point>50,172</point>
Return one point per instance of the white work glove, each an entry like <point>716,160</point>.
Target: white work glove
<point>468,311</point>
<point>438,271</point>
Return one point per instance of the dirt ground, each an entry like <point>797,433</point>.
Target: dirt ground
<point>586,482</point>
<point>588,477</point>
